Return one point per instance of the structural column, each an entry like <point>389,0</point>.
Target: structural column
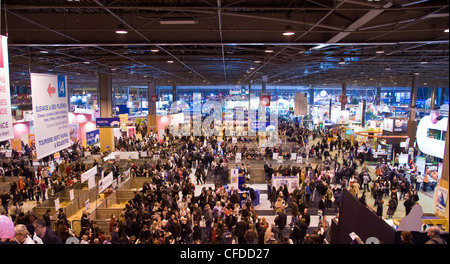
<point>412,123</point>
<point>378,96</point>
<point>433,97</point>
<point>262,136</point>
<point>343,97</point>
<point>152,100</point>
<point>174,94</point>
<point>105,98</point>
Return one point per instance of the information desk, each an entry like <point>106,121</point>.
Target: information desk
<point>242,199</point>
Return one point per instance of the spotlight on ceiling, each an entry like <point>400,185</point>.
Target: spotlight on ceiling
<point>288,31</point>
<point>341,61</point>
<point>121,29</point>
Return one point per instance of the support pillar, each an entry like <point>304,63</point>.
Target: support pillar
<point>343,97</point>
<point>378,96</point>
<point>363,114</point>
<point>174,94</point>
<point>152,100</point>
<point>433,97</point>
<point>105,97</point>
<point>442,96</point>
<point>412,123</point>
<point>262,135</point>
<point>311,96</point>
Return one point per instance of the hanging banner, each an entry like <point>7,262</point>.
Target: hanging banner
<point>6,127</point>
<point>89,174</point>
<point>93,137</point>
<point>105,182</point>
<point>50,113</point>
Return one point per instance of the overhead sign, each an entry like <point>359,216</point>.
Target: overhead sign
<point>400,125</point>
<point>50,113</point>
<point>154,98</point>
<point>6,128</point>
<point>264,100</point>
<point>102,122</point>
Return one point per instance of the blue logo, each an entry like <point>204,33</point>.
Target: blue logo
<point>61,86</point>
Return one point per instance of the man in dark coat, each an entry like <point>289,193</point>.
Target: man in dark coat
<point>281,220</point>
<point>47,235</point>
<point>241,228</point>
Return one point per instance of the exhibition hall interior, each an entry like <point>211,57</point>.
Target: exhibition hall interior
<point>224,122</point>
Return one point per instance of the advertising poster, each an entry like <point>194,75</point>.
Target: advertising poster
<point>131,131</point>
<point>234,178</point>
<point>50,113</point>
<point>6,127</point>
<point>123,121</point>
<point>300,104</point>
<point>290,181</point>
<point>442,199</point>
<point>74,132</point>
<point>31,140</point>
<point>388,124</point>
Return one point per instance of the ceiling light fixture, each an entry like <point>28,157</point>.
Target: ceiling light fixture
<point>379,51</point>
<point>154,50</point>
<point>268,50</point>
<point>178,21</point>
<point>288,31</point>
<point>121,29</point>
<point>446,31</point>
<point>341,61</point>
<point>170,61</point>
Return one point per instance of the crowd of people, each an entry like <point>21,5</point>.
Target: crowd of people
<point>167,210</point>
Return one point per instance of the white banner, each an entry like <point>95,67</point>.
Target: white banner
<point>57,205</point>
<point>6,128</point>
<point>50,113</point>
<point>89,174</point>
<point>290,181</point>
<point>105,182</point>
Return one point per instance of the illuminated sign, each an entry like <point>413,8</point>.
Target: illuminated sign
<point>431,145</point>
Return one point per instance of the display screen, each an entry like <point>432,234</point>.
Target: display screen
<point>436,134</point>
